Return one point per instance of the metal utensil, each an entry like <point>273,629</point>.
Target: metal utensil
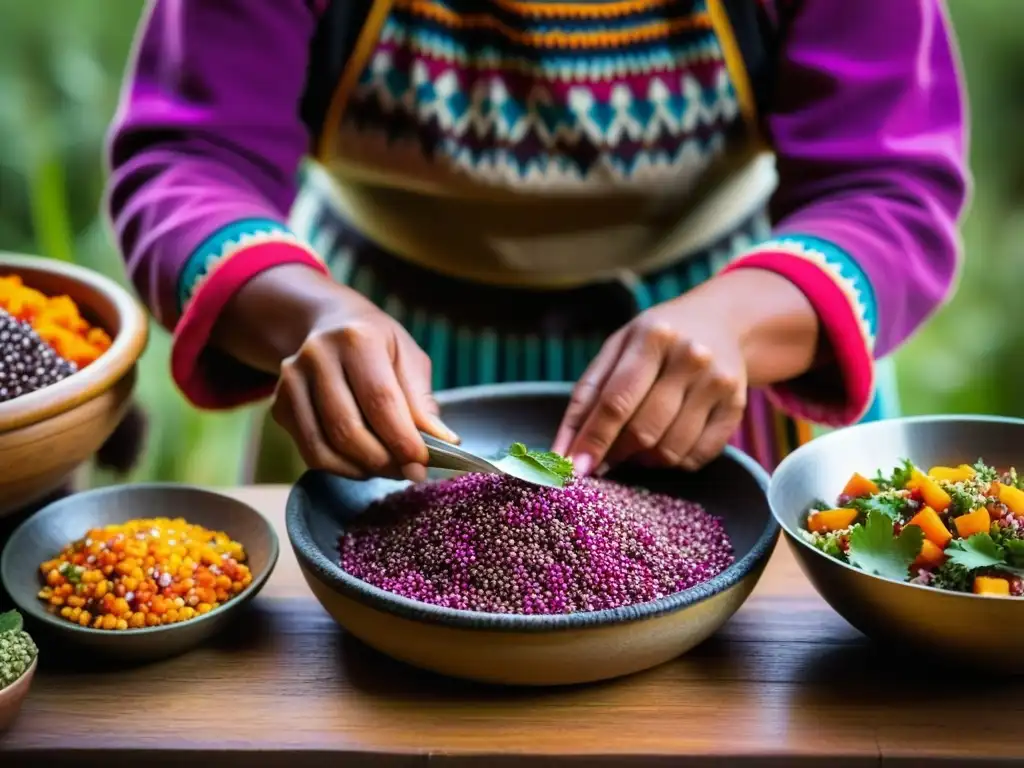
<point>455,459</point>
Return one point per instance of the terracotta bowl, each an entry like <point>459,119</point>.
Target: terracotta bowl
<point>13,696</point>
<point>532,650</point>
<point>46,435</point>
<point>955,627</point>
<point>45,533</point>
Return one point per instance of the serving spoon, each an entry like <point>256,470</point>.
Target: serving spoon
<point>451,457</point>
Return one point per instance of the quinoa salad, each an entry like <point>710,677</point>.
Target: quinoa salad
<point>496,544</point>
<point>959,529</point>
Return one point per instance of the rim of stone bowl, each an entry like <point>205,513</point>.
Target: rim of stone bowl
<point>822,442</point>
<point>332,574</point>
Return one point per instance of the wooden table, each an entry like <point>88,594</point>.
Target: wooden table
<point>785,683</point>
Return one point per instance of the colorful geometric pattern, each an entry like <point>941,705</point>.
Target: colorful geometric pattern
<point>224,244</point>
<point>540,93</point>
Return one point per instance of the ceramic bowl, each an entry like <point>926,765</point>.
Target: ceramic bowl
<point>519,649</point>
<point>953,625</point>
<point>45,533</point>
<point>46,435</point>
<point>13,696</point>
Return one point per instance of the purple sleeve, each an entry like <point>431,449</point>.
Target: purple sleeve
<point>869,128</point>
<point>204,155</point>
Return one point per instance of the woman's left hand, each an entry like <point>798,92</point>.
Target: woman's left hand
<point>670,388</point>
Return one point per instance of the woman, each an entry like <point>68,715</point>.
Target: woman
<point>520,190</point>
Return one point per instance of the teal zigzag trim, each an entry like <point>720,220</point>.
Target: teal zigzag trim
<point>842,264</point>
<point>220,244</point>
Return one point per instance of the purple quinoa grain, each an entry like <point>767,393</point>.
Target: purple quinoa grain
<point>494,544</point>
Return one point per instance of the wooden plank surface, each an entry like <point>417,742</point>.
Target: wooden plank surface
<point>786,682</point>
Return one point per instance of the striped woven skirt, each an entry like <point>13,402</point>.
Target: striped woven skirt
<point>481,334</point>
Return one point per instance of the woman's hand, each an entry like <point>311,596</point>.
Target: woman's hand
<point>354,389</point>
<point>670,388</point>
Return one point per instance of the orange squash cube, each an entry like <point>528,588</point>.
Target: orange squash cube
<point>931,556</point>
<point>952,474</point>
<point>931,491</point>
<point>987,585</point>
<point>858,486</point>
<point>974,522</point>
<point>928,520</point>
<point>831,520</point>
<point>1013,498</point>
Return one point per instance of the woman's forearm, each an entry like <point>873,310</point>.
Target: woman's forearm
<point>203,166</point>
<point>775,322</point>
<point>868,124</point>
<point>269,317</point>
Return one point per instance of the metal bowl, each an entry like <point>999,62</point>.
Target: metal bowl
<point>532,650</point>
<point>955,626</point>
<point>48,531</point>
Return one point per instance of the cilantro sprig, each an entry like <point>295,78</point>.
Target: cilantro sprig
<point>982,551</point>
<point>541,467</point>
<point>978,551</point>
<point>890,506</point>
<point>897,479</point>
<point>875,549</point>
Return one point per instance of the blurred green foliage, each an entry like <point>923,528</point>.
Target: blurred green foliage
<point>61,63</point>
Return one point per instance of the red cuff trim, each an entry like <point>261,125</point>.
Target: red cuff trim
<point>207,377</point>
<point>844,329</point>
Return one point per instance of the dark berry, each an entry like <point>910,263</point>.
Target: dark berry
<point>27,363</point>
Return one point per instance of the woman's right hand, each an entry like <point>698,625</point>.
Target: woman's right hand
<point>354,389</point>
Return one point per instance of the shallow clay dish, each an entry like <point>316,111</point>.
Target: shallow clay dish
<point>532,650</point>
<point>46,434</point>
<point>954,625</point>
<point>13,696</point>
<point>43,535</point>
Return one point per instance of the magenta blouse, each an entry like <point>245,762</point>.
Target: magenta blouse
<point>867,123</point>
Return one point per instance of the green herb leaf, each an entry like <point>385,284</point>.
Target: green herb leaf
<point>10,622</point>
<point>963,500</point>
<point>820,505</point>
<point>541,467</point>
<point>549,460</point>
<point>898,479</point>
<point>1014,549</point>
<point>952,577</point>
<point>71,572</point>
<point>901,475</point>
<point>874,548</point>
<point>979,551</point>
<point>984,472</point>
<point>889,506</point>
